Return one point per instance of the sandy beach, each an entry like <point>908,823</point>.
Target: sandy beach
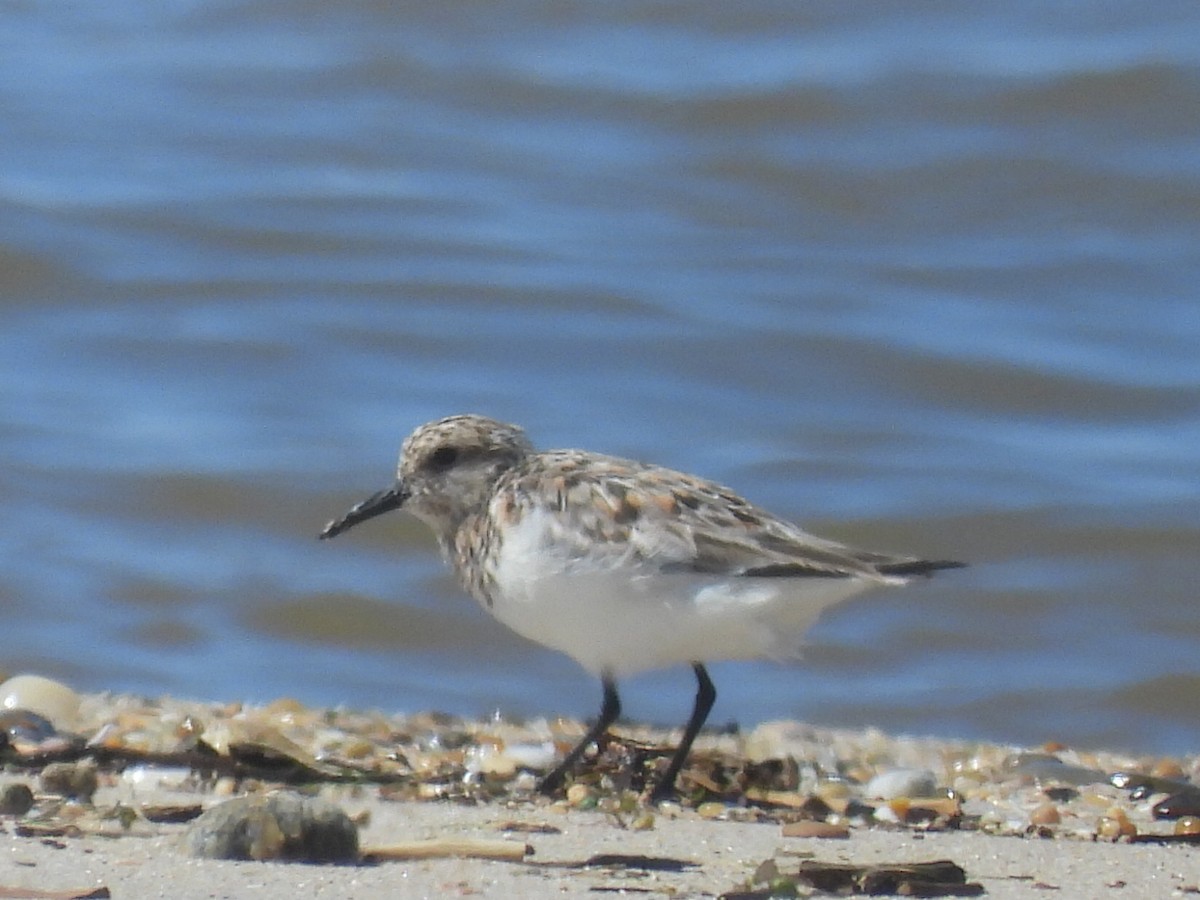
<point>1018,821</point>
<point>722,856</point>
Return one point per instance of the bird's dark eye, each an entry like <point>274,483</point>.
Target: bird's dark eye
<point>443,457</point>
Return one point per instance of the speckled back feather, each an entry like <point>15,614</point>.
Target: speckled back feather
<point>470,477</point>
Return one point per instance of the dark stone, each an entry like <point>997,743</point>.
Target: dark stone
<point>74,780</point>
<point>15,800</point>
<point>279,825</point>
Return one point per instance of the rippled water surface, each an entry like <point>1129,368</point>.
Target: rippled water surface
<point>921,276</point>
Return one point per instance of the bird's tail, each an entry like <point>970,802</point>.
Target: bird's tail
<point>909,567</point>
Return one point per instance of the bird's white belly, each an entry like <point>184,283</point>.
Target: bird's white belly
<point>620,622</point>
<point>616,609</point>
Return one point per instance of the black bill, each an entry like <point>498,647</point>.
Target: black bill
<point>375,505</point>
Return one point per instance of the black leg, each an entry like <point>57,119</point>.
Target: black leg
<point>609,711</point>
<point>706,695</point>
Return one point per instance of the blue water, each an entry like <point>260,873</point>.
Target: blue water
<point>921,277</point>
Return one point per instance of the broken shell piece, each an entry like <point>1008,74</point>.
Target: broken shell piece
<point>809,829</point>
<point>902,783</point>
<point>44,696</point>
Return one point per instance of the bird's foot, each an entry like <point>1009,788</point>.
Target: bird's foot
<point>551,784</point>
<point>664,792</point>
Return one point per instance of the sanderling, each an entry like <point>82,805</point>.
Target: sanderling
<point>621,565</point>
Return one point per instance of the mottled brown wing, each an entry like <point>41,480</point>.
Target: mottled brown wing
<point>669,521</point>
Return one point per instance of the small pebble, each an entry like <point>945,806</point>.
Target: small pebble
<point>1188,825</point>
<point>15,800</point>
<point>833,790</point>
<point>357,749</point>
<point>1045,814</point>
<point>711,810</point>
<point>286,709</point>
<point>767,871</point>
<point>1061,794</point>
<point>73,811</point>
<point>77,781</point>
<point>1167,768</point>
<point>579,795</point>
<point>887,813</point>
<point>1115,824</point>
<point>644,822</point>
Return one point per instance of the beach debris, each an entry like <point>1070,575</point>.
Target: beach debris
<point>1188,825</point>
<point>45,832</point>
<point>513,826</point>
<point>581,796</point>
<point>26,726</point>
<point>1185,802</point>
<point>779,773</point>
<point>1167,839</point>
<point>24,733</point>
<point>1044,768</point>
<point>639,862</point>
<point>495,757</point>
<point>623,868</point>
<point>171,813</point>
<point>1044,815</point>
<point>15,799</point>
<point>712,809</point>
<point>1187,831</point>
<point>456,848</point>
<point>75,781</point>
<point>901,783</point>
<point>157,778</point>
<point>1142,784</point>
<point>279,825</point>
<point>85,893</point>
<point>265,748</point>
<point>920,812</point>
<point>643,821</point>
<point>1114,825</point>
<point>43,696</point>
<point>939,878</point>
<point>1061,794</point>
<point>812,829</point>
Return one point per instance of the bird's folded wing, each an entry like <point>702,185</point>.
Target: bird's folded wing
<point>664,521</point>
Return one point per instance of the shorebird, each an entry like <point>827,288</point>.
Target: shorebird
<point>621,565</point>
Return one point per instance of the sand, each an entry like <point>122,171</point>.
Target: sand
<point>476,785</point>
<point>713,857</point>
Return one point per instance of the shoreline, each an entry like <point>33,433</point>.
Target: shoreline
<point>1012,818</point>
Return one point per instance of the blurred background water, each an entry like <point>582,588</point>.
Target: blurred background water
<point>920,276</point>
